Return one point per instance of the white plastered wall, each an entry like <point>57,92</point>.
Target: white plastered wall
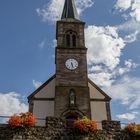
<point>98,108</point>
<point>48,91</point>
<point>98,112</point>
<point>94,93</point>
<point>43,107</point>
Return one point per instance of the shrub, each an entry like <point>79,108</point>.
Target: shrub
<point>85,125</point>
<point>133,129</point>
<point>25,120</point>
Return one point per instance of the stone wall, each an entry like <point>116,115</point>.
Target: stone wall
<point>111,125</point>
<point>57,130</point>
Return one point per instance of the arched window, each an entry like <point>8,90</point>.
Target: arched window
<point>74,40</point>
<point>71,39</point>
<point>72,98</point>
<point>68,40</point>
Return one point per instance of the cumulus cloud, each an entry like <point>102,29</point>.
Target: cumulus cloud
<point>10,103</point>
<point>36,84</point>
<point>53,10</point>
<point>104,45</point>
<point>126,91</point>
<point>133,5</point>
<point>104,52</point>
<point>132,16</point>
<point>127,116</point>
<point>123,4</point>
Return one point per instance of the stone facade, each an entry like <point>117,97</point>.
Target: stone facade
<point>65,77</point>
<point>72,47</point>
<point>63,26</point>
<point>82,106</point>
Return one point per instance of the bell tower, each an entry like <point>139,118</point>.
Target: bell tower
<point>71,90</point>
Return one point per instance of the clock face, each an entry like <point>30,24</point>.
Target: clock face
<point>71,64</point>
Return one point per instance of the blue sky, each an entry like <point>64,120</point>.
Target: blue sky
<point>27,46</point>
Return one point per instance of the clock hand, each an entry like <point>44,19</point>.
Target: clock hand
<point>72,64</point>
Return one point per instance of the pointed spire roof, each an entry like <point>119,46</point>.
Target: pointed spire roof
<point>69,10</point>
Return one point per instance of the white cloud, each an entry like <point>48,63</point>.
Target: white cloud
<point>10,103</point>
<point>126,91</point>
<point>36,84</point>
<point>102,78</point>
<point>132,25</point>
<point>104,45</point>
<point>123,4</point>
<point>53,10</point>
<point>130,64</point>
<point>134,6</point>
<point>135,10</point>
<point>131,37</point>
<point>127,116</point>
<point>104,51</point>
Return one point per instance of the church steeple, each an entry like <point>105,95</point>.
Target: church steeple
<point>69,10</point>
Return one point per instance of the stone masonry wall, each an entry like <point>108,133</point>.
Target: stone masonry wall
<point>57,130</point>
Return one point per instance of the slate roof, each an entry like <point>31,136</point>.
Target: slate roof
<point>69,10</point>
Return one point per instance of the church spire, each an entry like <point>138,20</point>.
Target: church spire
<point>69,10</point>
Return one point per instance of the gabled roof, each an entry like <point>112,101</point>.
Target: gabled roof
<point>51,78</point>
<point>41,87</point>
<point>100,90</point>
<point>69,10</point>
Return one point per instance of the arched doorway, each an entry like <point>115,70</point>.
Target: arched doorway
<point>71,115</point>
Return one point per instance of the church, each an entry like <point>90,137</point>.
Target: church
<point>69,93</point>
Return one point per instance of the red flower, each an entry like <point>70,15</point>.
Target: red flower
<point>14,121</point>
<point>85,125</point>
<point>25,120</point>
<point>133,129</point>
